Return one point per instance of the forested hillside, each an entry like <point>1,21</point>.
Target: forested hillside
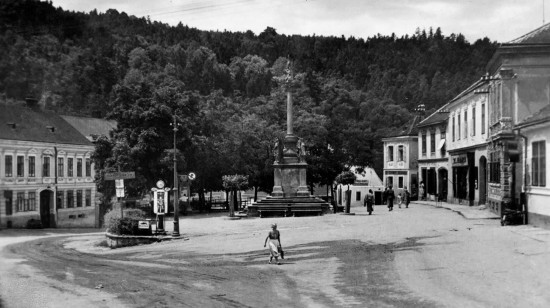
<point>351,92</point>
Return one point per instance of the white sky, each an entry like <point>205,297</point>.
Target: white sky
<point>500,20</point>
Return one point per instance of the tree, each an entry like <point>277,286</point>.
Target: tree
<point>347,178</point>
<point>233,183</point>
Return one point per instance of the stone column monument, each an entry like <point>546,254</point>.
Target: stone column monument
<point>290,195</point>
<point>290,169</point>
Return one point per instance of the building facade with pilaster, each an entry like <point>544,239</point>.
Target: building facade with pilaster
<point>519,87</point>
<point>46,171</point>
<point>467,145</point>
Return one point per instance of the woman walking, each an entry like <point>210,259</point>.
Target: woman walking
<point>274,238</point>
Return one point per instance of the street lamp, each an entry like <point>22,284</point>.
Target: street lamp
<point>176,231</point>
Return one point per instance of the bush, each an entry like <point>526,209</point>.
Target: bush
<point>34,224</point>
<point>123,226</point>
<point>128,225</point>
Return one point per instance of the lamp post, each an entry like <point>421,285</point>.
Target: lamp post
<point>176,231</point>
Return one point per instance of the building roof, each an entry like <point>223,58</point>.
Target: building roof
<point>541,116</point>
<point>409,129</point>
<point>540,35</point>
<point>440,116</point>
<point>34,124</point>
<point>91,128</point>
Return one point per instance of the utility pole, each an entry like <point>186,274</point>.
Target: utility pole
<point>176,231</point>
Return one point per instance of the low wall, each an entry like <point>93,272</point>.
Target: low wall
<point>117,241</point>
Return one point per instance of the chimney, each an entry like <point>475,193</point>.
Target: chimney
<point>420,111</point>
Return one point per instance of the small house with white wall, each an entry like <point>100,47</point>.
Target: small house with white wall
<point>366,178</point>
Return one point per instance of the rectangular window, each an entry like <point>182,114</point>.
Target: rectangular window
<point>390,153</point>
<point>423,144</point>
<point>458,130</point>
<point>79,198</point>
<point>400,153</point>
<point>465,124</point>
<point>443,150</point>
<point>8,197</point>
<point>454,136</point>
<point>473,121</point>
<point>88,197</point>
<point>88,167</point>
<point>69,167</point>
<point>8,163</point>
<point>32,201</point>
<point>357,196</point>
<point>389,181</point>
<point>32,166</point>
<point>494,168</point>
<point>60,167</point>
<point>46,167</point>
<point>20,201</point>
<point>60,199</point>
<point>432,142</point>
<point>79,167</point>
<point>482,119</point>
<point>70,198</point>
<point>538,164</point>
<point>400,182</point>
<point>20,166</point>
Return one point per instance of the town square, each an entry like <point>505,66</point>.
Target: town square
<point>247,153</point>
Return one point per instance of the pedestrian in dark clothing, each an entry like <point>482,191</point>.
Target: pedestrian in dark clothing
<point>390,195</point>
<point>385,195</point>
<point>407,196</point>
<point>369,201</point>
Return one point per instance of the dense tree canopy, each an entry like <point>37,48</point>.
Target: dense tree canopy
<point>221,86</point>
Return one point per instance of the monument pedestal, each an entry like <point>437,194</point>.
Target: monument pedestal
<point>290,180</point>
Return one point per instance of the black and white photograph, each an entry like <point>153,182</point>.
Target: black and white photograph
<point>274,153</point>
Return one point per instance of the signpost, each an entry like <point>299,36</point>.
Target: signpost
<point>119,178</point>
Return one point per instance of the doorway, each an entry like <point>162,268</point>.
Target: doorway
<point>442,179</point>
<point>482,180</point>
<point>46,197</point>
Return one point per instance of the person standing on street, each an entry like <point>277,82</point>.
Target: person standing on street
<point>274,238</point>
<point>369,201</point>
<point>407,197</point>
<point>399,199</point>
<point>390,195</point>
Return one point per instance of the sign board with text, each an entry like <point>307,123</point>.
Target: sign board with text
<point>109,176</point>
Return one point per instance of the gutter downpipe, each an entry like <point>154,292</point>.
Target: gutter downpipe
<point>55,182</point>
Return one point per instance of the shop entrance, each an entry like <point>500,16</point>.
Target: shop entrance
<point>442,179</point>
<point>460,182</point>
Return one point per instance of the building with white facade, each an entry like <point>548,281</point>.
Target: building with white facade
<point>519,83</point>
<point>535,133</point>
<point>401,160</point>
<point>365,180</point>
<point>467,145</point>
<point>46,171</point>
<point>433,161</point>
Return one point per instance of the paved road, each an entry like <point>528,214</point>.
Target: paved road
<point>417,257</point>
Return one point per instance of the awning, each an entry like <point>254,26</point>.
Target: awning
<point>441,144</point>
